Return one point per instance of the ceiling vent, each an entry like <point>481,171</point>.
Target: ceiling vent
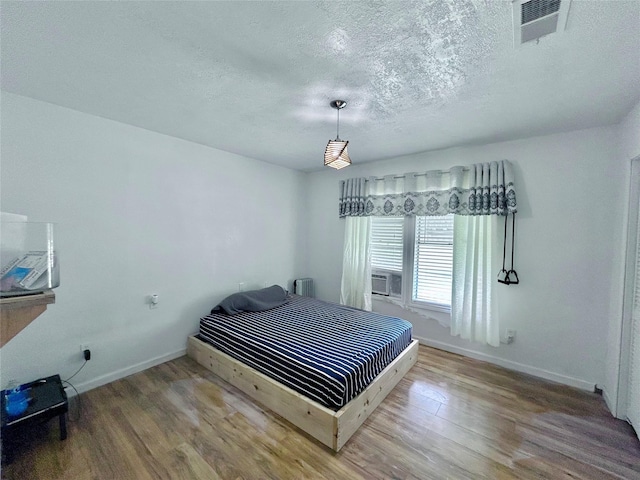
<point>533,19</point>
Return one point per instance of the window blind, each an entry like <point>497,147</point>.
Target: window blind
<point>386,243</point>
<point>433,262</point>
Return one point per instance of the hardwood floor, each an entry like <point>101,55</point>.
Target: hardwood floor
<point>450,418</point>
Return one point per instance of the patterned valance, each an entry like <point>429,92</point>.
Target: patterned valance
<point>479,189</point>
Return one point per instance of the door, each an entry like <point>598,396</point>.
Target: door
<point>629,379</point>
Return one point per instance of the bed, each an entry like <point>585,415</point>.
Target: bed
<point>323,367</point>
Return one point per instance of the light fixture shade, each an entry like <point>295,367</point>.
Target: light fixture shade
<point>336,155</point>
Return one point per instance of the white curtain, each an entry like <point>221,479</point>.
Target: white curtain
<point>474,315</point>
<point>355,289</point>
<point>477,194</point>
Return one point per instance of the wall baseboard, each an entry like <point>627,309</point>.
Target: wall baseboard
<point>518,367</point>
<point>125,372</point>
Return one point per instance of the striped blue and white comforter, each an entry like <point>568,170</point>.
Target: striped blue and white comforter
<point>328,352</point>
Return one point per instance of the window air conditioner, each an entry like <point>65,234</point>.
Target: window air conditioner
<point>380,283</point>
<point>389,284</point>
<point>395,288</point>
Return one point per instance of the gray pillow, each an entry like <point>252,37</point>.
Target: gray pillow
<point>253,301</point>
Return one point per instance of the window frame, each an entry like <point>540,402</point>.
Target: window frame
<point>408,263</point>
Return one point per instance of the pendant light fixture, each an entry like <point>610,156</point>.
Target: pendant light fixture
<point>336,156</point>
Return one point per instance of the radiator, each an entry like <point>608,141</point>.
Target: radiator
<point>303,286</point>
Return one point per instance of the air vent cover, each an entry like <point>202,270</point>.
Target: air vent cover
<point>533,19</point>
<point>536,9</point>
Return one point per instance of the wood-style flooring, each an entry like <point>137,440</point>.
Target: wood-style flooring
<point>451,417</point>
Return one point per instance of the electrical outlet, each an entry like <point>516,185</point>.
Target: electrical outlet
<point>508,336</point>
<point>241,287</point>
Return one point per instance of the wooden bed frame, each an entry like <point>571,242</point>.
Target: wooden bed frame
<point>329,427</point>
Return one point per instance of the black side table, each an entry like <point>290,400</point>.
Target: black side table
<point>48,400</point>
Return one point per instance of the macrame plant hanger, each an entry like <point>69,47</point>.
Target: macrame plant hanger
<point>508,277</point>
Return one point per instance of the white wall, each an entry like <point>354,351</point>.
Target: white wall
<point>628,149</point>
<point>142,213</point>
<point>629,131</point>
<point>138,213</point>
<point>569,229</point>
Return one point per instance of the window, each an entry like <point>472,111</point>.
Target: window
<point>419,248</point>
<point>387,243</point>
<point>433,260</point>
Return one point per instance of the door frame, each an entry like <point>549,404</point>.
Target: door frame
<point>632,251</point>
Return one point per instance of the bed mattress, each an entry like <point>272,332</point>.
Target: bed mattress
<point>325,351</point>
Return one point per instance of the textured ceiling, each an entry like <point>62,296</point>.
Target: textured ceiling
<point>256,78</point>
